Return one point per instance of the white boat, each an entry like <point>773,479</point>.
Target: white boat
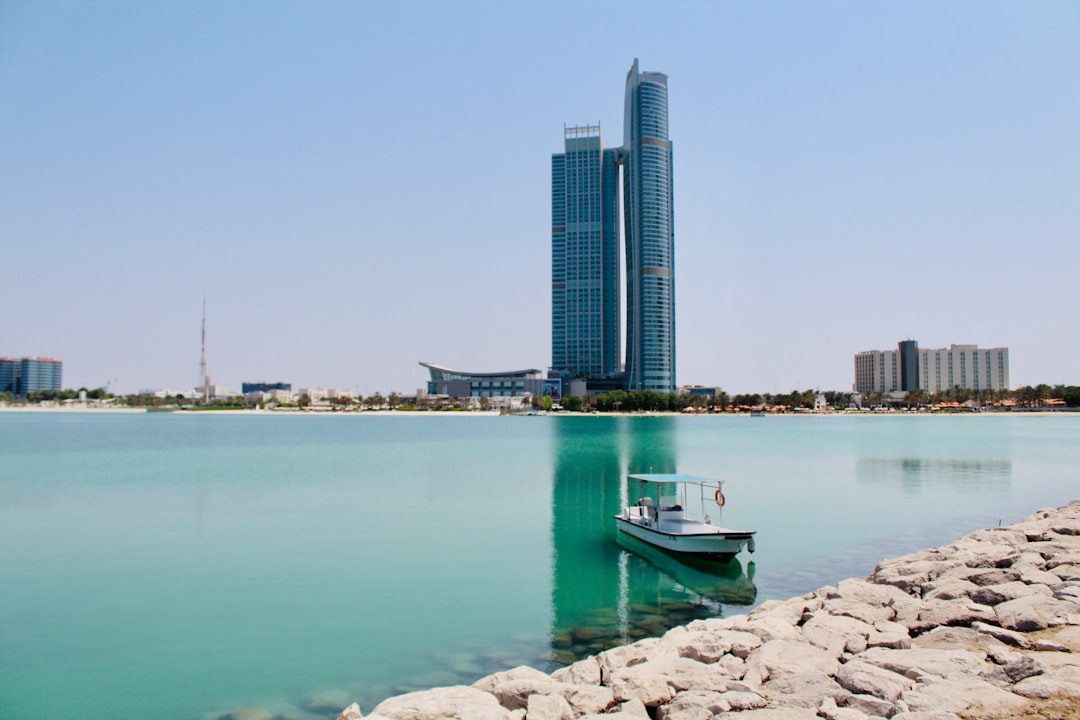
<point>659,515</point>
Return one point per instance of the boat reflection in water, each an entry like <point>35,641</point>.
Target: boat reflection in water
<point>720,582</point>
<point>607,592</point>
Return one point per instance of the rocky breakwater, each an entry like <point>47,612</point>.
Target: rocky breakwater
<point>986,627</point>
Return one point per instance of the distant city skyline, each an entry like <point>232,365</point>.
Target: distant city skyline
<point>358,187</point>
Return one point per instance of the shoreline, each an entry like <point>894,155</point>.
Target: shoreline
<point>496,413</point>
<point>985,627</point>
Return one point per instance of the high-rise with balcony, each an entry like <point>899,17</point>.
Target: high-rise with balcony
<point>585,279</point>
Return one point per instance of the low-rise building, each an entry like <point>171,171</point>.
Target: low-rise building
<point>462,384</point>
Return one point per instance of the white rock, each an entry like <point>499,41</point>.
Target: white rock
<point>581,672</point>
<point>866,679</point>
<point>779,713</point>
<point>522,672</point>
<point>1028,614</point>
<point>835,633</point>
<point>1062,681</point>
<point>625,656</point>
<point>950,612</point>
<point>942,663</point>
<point>872,705</point>
<point>351,713</point>
<point>548,707</point>
<point>948,588</point>
<point>450,703</point>
<point>783,658</point>
<point>651,690</point>
<point>804,690</point>
<point>744,700</point>
<point>585,698</point>
<point>693,705</point>
<point>635,708</point>
<point>514,694</point>
<point>996,594</point>
<point>960,693</point>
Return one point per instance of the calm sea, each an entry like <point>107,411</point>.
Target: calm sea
<point>185,565</point>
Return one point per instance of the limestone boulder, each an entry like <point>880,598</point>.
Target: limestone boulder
<point>889,635</point>
<point>625,656</point>
<point>449,703</point>
<point>744,700</point>
<point>873,706</point>
<point>523,672</point>
<point>772,713</point>
<point>585,671</point>
<point>696,705</point>
<point>957,638</point>
<point>652,690</point>
<point>351,713</point>
<point>909,576</point>
<point>997,594</point>
<point>865,679</point>
<point>1009,637</point>
<point>549,707</point>
<point>831,711</point>
<point>709,647</point>
<point>993,576</point>
<point>940,663</point>
<point>1032,613</point>
<point>962,694</point>
<point>948,588</point>
<point>869,593</point>
<point>866,612</point>
<point>514,694</point>
<point>585,698</point>
<point>778,659</point>
<point>949,612</point>
<point>1060,681</point>
<point>837,633</point>
<point>804,690</point>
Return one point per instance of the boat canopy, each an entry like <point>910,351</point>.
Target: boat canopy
<point>674,478</point>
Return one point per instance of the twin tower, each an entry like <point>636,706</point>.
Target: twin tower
<point>586,317</point>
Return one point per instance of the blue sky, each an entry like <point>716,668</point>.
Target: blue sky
<point>360,186</point>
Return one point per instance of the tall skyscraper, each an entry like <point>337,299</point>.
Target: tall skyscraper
<point>585,282</point>
<point>585,335</point>
<point>650,236</point>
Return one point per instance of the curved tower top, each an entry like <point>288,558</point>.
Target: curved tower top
<point>649,234</point>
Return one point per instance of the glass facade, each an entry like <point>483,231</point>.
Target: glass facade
<point>650,237</point>
<point>586,325</point>
<point>585,333</point>
<point>20,376</point>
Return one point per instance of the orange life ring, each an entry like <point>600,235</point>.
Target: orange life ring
<point>720,499</point>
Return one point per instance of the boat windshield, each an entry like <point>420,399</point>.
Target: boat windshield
<point>660,494</point>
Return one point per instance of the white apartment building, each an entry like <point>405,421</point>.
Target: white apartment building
<point>964,366</point>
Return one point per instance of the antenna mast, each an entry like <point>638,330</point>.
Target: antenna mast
<point>202,363</point>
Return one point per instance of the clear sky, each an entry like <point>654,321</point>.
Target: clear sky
<point>358,186</point>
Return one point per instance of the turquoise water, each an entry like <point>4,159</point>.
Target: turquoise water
<point>182,566</point>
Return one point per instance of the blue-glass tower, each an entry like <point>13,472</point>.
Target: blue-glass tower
<point>585,281</point>
<point>650,236</point>
<point>585,322</point>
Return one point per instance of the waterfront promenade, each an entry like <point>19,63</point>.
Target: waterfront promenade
<point>985,627</point>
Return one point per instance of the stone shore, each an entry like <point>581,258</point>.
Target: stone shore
<point>987,627</point>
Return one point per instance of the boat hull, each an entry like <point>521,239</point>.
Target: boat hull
<point>720,546</point>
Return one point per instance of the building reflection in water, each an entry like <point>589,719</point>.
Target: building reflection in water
<point>913,474</point>
<point>607,590</point>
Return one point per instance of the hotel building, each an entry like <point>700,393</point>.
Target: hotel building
<point>21,376</point>
<point>964,366</point>
<point>584,248</point>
